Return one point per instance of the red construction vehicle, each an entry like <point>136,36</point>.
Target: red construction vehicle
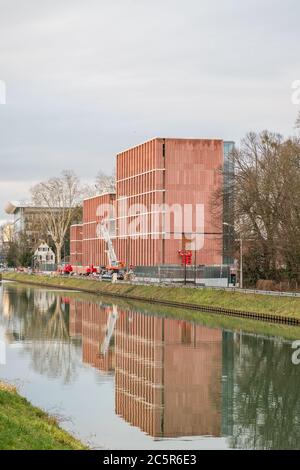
<point>90,270</point>
<point>67,269</point>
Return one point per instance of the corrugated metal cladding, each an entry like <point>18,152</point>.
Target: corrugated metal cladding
<point>160,171</point>
<point>192,177</point>
<point>159,364</point>
<point>76,245</point>
<point>140,180</point>
<point>170,171</point>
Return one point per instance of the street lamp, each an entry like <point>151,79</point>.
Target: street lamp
<point>240,240</point>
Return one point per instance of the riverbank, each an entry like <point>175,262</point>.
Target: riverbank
<point>284,310</point>
<point>24,427</point>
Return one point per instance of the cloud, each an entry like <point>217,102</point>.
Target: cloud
<point>87,79</point>
<point>13,190</point>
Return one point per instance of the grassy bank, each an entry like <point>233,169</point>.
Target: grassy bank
<point>24,427</point>
<point>217,320</point>
<point>204,298</point>
<point>211,320</point>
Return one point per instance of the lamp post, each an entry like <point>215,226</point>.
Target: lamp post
<point>240,240</point>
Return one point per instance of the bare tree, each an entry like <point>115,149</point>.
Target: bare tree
<point>8,246</point>
<point>298,121</point>
<point>62,198</point>
<point>265,198</point>
<point>52,350</point>
<point>105,183</point>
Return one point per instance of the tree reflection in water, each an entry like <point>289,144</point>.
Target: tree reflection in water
<point>40,319</point>
<point>266,411</point>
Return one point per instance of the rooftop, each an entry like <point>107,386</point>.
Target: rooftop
<point>12,206</point>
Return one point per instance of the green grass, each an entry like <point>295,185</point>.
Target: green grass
<point>212,320</point>
<point>24,427</point>
<point>264,304</point>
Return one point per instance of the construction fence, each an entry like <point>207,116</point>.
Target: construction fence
<point>217,276</point>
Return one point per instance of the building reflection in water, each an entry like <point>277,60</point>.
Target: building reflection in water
<point>172,378</point>
<point>168,374</point>
<point>75,318</point>
<point>89,320</point>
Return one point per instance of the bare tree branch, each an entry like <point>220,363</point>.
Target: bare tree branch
<point>61,198</point>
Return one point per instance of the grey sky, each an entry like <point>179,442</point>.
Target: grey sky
<point>87,79</point>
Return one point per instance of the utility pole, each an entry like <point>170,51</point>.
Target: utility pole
<point>241,256</point>
<point>195,273</point>
<point>241,264</point>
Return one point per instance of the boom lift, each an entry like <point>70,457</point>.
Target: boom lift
<point>113,263</point>
<point>111,322</point>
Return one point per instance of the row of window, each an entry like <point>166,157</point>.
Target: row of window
<point>47,258</point>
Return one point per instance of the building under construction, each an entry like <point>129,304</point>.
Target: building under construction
<point>162,205</point>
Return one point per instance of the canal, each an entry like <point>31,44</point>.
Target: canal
<point>130,376</point>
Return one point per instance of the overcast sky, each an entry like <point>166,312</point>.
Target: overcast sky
<point>86,79</point>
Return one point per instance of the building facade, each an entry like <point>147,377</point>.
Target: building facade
<point>76,253</point>
<point>164,192</point>
<point>44,257</point>
<point>29,222</point>
<point>26,219</point>
<point>93,245</point>
<point>163,176</point>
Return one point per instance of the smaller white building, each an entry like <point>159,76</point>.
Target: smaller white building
<point>44,256</point>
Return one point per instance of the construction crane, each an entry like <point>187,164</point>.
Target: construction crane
<point>111,322</point>
<point>113,262</point>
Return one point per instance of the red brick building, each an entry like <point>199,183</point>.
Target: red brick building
<point>157,184</point>
<point>76,253</point>
<point>93,246</point>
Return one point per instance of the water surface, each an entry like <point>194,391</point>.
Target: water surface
<point>120,376</point>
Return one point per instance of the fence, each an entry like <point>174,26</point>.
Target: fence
<point>198,275</point>
<point>46,267</point>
